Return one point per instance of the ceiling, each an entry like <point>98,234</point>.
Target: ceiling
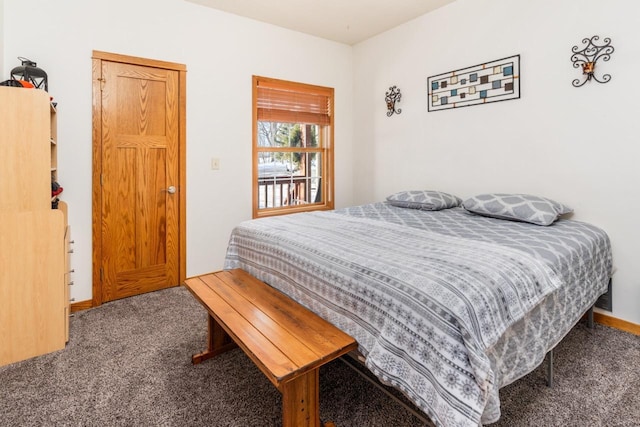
<point>344,21</point>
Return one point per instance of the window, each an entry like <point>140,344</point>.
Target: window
<point>292,147</point>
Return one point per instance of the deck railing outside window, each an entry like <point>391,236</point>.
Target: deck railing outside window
<point>278,191</point>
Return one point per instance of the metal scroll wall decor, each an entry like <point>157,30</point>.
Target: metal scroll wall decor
<point>589,56</point>
<point>393,96</point>
<point>493,81</point>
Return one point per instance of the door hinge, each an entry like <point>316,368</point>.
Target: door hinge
<point>102,83</point>
<point>101,274</point>
<point>101,180</point>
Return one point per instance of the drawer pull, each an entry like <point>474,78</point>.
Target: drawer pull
<point>70,251</point>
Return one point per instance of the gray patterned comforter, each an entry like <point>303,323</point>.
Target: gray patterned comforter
<point>446,306</point>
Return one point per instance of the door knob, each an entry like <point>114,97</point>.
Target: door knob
<point>171,189</point>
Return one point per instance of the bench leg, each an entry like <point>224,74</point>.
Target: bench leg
<point>300,401</point>
<point>218,341</point>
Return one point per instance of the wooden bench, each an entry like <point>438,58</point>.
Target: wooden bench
<point>285,340</point>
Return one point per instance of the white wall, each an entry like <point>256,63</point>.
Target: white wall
<point>2,39</point>
<point>221,52</point>
<point>576,145</point>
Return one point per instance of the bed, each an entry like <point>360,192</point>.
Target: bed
<point>447,306</point>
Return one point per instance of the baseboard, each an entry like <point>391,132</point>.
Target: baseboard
<point>81,305</point>
<point>614,322</point>
<point>601,318</point>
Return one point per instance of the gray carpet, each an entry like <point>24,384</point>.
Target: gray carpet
<point>128,364</point>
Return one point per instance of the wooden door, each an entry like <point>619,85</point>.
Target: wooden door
<point>139,179</point>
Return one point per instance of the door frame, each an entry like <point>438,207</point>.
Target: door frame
<point>96,70</point>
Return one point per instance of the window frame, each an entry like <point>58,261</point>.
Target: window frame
<point>325,147</point>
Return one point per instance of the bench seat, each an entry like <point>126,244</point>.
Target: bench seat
<point>286,341</point>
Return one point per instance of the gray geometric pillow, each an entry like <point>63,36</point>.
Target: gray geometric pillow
<point>518,207</point>
<point>427,200</point>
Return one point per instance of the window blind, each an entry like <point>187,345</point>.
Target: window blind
<point>279,101</point>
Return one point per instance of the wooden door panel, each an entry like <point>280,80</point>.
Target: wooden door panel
<point>154,222</point>
<point>139,163</point>
<point>124,194</point>
<point>141,280</point>
<point>137,117</point>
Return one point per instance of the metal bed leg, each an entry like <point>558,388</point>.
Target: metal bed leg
<point>550,368</point>
<point>590,325</point>
<point>418,415</point>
